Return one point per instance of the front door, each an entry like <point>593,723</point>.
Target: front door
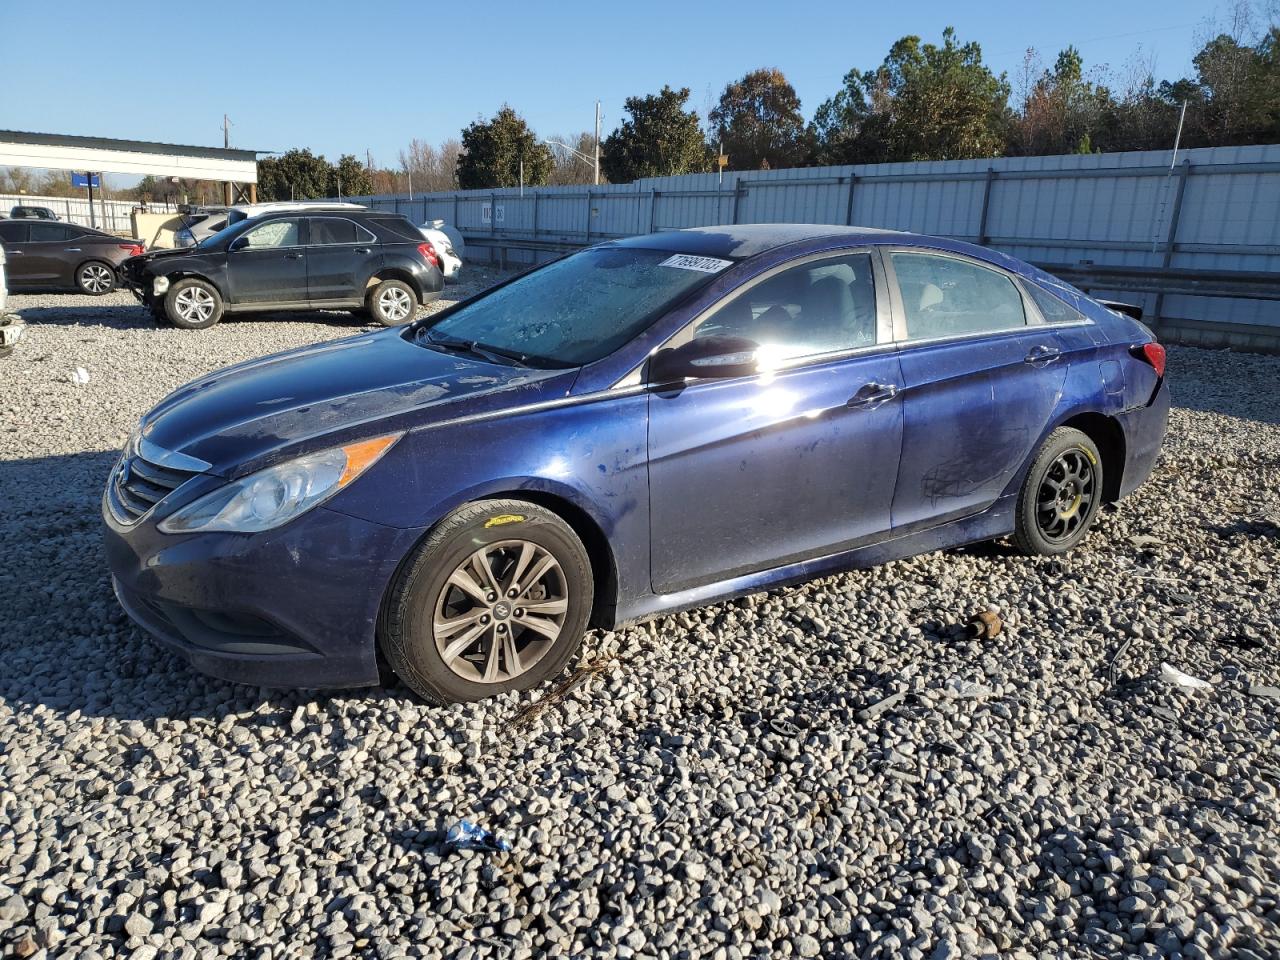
<point>337,257</point>
<point>980,384</point>
<point>46,257</point>
<point>271,265</point>
<point>794,462</point>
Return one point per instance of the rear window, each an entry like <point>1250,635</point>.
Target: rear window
<point>400,226</point>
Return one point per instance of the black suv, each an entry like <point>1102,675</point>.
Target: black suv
<point>296,260</point>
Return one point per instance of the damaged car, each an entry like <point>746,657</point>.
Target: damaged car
<point>643,426</point>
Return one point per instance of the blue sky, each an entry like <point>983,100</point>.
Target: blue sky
<point>312,74</point>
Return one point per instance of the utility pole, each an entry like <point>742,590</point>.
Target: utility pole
<point>597,164</point>
<point>226,132</point>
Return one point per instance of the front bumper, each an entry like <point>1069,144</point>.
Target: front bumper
<point>292,607</point>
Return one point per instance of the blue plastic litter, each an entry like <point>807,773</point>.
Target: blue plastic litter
<point>465,835</point>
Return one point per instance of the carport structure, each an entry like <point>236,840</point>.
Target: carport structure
<point>236,170</point>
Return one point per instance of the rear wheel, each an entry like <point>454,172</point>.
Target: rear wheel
<point>95,278</point>
<point>495,599</point>
<point>193,304</point>
<point>1061,494</point>
<point>392,302</point>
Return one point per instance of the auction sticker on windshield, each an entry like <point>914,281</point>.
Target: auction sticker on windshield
<point>683,261</point>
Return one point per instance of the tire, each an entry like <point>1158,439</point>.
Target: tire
<point>193,304</point>
<point>95,278</point>
<point>510,536</point>
<point>1060,496</point>
<point>392,302</point>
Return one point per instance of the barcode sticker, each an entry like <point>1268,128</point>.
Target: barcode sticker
<point>683,261</point>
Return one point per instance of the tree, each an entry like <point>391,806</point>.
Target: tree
<point>349,178</point>
<point>758,122</point>
<point>294,175</point>
<point>660,138</point>
<point>937,103</point>
<point>493,152</point>
<point>838,130</point>
<point>573,167</point>
<point>1062,111</point>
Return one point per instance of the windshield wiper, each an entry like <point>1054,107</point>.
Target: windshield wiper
<point>509,358</point>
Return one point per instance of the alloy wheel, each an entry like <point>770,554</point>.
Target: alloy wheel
<point>95,278</point>
<point>394,304</point>
<point>500,611</point>
<point>1066,495</point>
<point>194,305</point>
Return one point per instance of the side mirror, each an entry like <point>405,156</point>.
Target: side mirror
<point>706,357</point>
<point>239,243</point>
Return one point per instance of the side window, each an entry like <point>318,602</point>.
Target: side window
<point>818,307</point>
<point>277,233</point>
<point>947,297</point>
<point>326,230</point>
<point>1052,308</point>
<point>12,232</point>
<point>47,232</point>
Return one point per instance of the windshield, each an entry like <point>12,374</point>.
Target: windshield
<point>581,308</point>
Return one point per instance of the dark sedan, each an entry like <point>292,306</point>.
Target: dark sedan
<point>643,426</point>
<point>64,256</point>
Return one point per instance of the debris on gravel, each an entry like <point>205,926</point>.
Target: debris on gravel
<point>725,783</point>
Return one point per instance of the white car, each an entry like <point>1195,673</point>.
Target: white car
<point>448,244</point>
<point>244,211</point>
<point>11,328</point>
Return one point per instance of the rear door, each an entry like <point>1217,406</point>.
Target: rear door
<point>796,461</point>
<point>272,266</point>
<point>13,234</point>
<point>338,258</point>
<point>980,384</point>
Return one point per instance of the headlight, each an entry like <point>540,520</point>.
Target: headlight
<point>276,495</point>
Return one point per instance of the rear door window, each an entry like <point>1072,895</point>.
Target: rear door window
<point>949,297</point>
<point>335,230</point>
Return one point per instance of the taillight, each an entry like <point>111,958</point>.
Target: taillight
<point>1153,354</point>
<point>134,249</point>
<point>429,254</point>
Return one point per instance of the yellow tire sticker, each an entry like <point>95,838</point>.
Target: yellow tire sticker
<point>503,518</point>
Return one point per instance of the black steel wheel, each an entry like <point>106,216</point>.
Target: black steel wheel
<point>1061,494</point>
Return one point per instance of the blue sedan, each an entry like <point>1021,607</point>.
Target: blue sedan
<point>643,426</point>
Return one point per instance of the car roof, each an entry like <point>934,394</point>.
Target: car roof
<point>743,240</point>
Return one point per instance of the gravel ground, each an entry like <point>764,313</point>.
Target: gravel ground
<point>720,783</point>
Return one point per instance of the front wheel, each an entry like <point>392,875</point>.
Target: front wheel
<point>193,304</point>
<point>495,599</point>
<point>1061,494</point>
<point>95,278</point>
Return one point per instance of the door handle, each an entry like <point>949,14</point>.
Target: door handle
<point>1042,355</point>
<point>70,249</point>
<point>13,253</point>
<point>293,256</point>
<point>872,395</point>
<point>362,250</point>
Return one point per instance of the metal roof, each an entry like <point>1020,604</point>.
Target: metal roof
<point>56,151</point>
<point>136,146</point>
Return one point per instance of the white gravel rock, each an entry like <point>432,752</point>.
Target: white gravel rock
<point>718,788</point>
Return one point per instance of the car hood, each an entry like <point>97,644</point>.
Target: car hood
<point>246,416</point>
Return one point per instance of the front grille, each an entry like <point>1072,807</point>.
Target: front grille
<point>142,479</point>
